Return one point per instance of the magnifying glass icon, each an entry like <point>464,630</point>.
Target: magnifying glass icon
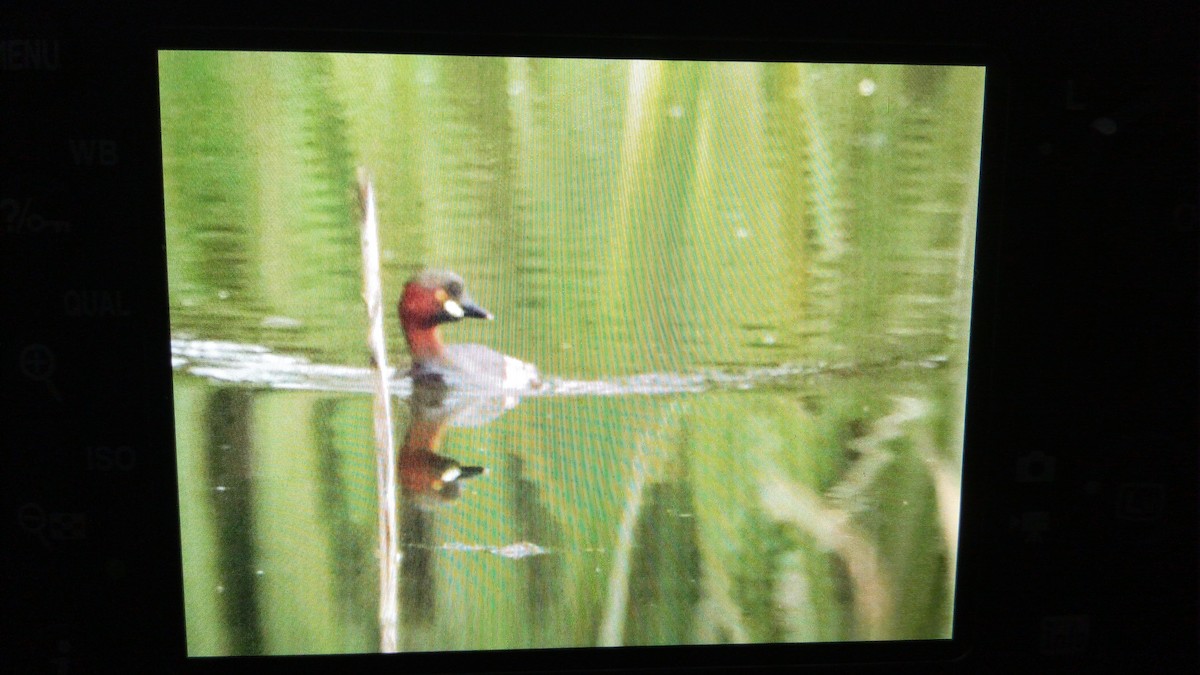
<point>38,364</point>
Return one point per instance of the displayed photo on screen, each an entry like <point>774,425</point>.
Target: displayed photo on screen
<point>495,353</point>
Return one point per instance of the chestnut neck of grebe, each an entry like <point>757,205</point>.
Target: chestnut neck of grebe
<point>424,341</point>
<point>430,299</point>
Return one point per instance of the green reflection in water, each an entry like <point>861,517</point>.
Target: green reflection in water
<point>618,218</point>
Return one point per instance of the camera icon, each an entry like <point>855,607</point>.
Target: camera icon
<point>1066,634</point>
<point>1035,467</point>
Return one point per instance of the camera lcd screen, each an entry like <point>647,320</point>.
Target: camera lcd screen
<point>674,352</point>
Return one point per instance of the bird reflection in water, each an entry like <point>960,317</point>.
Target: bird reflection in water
<point>428,481</point>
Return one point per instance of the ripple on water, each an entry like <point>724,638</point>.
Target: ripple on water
<point>259,366</point>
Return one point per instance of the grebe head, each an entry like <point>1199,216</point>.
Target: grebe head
<point>436,296</point>
<point>430,480</point>
<point>430,299</point>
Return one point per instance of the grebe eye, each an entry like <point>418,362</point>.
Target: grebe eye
<point>455,288</point>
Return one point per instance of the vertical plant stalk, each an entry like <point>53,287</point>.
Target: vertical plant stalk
<point>649,461</point>
<point>834,530</point>
<point>616,605</point>
<point>385,458</point>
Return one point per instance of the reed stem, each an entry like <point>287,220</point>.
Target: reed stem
<point>385,457</point>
